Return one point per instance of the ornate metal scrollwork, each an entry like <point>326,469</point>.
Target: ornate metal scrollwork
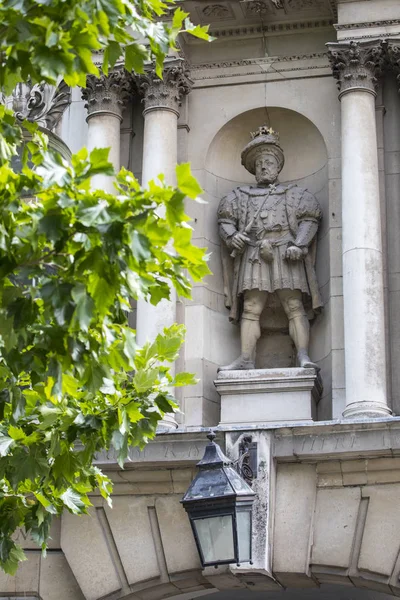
<point>246,465</point>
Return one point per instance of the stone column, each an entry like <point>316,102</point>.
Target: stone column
<point>105,99</point>
<point>356,66</point>
<point>162,99</point>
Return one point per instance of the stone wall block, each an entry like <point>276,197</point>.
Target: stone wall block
<point>85,547</point>
<point>381,536</point>
<point>131,529</point>
<point>335,524</point>
<point>27,543</point>
<point>26,580</point>
<point>57,581</point>
<point>295,504</point>
<point>157,592</point>
<point>176,535</point>
<point>222,578</point>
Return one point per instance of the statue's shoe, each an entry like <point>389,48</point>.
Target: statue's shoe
<point>306,363</point>
<point>240,364</point>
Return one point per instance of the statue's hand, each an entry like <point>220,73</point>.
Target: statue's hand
<point>239,241</point>
<point>294,253</point>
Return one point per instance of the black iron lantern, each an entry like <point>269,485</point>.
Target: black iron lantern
<point>219,504</point>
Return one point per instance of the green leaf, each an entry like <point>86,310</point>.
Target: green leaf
<point>5,444</point>
<point>199,31</point>
<point>186,182</point>
<point>73,501</point>
<point>65,465</point>
<point>94,215</point>
<point>143,380</point>
<point>135,56</point>
<point>168,344</point>
<point>16,556</point>
<point>181,379</point>
<point>178,18</point>
<point>84,306</point>
<point>133,412</point>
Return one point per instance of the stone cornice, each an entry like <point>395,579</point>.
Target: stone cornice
<point>107,94</point>
<point>272,28</point>
<point>357,65</point>
<point>263,67</point>
<point>244,62</point>
<point>368,25</point>
<point>165,93</point>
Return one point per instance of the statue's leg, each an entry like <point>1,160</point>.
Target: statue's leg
<point>254,302</point>
<point>299,326</point>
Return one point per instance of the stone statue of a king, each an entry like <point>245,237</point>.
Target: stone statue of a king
<point>269,245</point>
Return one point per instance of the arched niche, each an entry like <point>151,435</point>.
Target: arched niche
<point>306,165</point>
<point>303,145</point>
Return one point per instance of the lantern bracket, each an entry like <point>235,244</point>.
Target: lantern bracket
<point>246,465</point>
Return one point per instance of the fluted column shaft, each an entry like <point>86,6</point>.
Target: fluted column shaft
<point>105,99</point>
<point>356,67</point>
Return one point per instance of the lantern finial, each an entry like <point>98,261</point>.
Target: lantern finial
<point>211,435</point>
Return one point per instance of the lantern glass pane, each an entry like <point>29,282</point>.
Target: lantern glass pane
<point>244,535</point>
<point>215,535</point>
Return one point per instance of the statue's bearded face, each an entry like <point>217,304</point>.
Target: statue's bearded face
<point>267,169</point>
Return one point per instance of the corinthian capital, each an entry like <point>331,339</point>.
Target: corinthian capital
<point>166,93</point>
<point>393,55</point>
<point>107,93</point>
<point>357,65</point>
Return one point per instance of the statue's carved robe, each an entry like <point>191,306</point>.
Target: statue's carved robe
<point>289,216</point>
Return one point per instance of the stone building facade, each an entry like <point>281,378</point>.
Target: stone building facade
<point>325,74</point>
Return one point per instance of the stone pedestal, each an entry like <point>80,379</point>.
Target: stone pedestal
<point>268,395</point>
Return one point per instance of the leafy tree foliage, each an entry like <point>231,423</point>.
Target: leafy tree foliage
<point>72,380</point>
<point>45,40</point>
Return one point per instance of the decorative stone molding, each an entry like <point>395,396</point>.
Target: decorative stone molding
<point>260,66</point>
<point>107,93</point>
<point>165,93</point>
<point>42,103</point>
<point>272,28</point>
<point>258,7</point>
<point>217,11</point>
<point>393,55</point>
<point>357,65</point>
<point>366,25</point>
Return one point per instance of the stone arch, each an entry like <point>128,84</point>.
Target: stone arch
<point>303,96</point>
<point>304,146</point>
<point>332,521</point>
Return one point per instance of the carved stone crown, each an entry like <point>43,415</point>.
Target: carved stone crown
<point>270,136</point>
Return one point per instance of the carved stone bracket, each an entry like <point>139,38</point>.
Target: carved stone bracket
<point>165,93</point>
<point>357,65</point>
<point>107,94</point>
<point>42,103</point>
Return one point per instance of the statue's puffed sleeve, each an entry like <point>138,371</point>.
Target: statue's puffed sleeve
<point>228,217</point>
<point>308,214</point>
